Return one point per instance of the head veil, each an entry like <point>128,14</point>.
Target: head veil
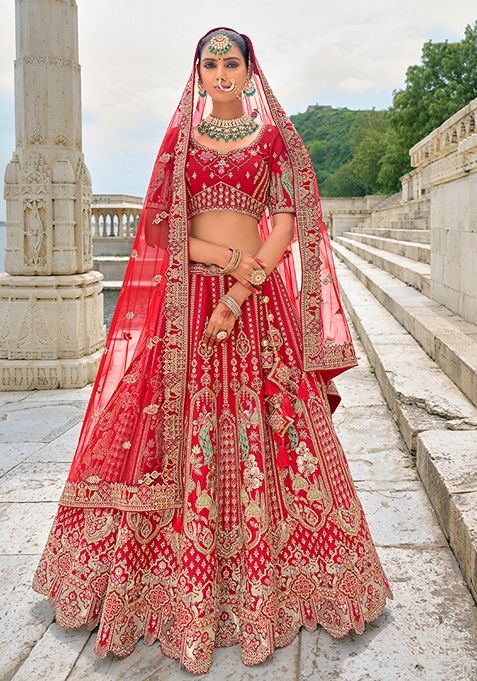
<point>151,315</point>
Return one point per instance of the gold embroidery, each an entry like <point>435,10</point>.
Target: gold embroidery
<point>151,342</point>
<point>222,196</point>
<point>159,217</point>
<point>130,378</point>
<point>151,409</point>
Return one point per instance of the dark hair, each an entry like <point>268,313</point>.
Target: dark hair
<point>235,37</point>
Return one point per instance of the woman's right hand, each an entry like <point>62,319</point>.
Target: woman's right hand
<point>244,269</point>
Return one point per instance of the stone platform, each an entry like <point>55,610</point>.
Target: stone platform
<point>428,632</point>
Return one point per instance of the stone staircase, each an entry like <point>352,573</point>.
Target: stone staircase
<point>424,356</point>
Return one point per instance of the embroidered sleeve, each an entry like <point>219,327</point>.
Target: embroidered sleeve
<point>281,197</point>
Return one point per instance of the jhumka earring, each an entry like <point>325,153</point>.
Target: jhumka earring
<point>249,88</point>
<point>202,92</point>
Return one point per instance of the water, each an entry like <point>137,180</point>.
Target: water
<point>110,300</point>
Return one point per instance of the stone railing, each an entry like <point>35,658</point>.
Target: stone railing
<point>447,137</point>
<point>114,221</point>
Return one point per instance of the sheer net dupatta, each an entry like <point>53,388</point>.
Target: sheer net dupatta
<point>130,450</point>
<point>327,343</point>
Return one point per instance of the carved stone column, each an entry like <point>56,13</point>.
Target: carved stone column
<point>51,305</point>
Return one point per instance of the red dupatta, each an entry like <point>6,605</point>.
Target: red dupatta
<point>155,288</point>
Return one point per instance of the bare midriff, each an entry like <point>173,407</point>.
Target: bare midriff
<point>227,228</point>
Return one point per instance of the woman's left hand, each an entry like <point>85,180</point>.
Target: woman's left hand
<point>221,319</point>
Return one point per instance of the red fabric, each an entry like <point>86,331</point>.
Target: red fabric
<point>154,298</point>
<point>248,180</point>
<point>209,500</point>
<point>271,535</point>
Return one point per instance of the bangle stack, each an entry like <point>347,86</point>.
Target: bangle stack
<point>232,304</point>
<point>233,262</point>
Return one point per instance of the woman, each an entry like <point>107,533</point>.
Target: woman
<point>209,501</point>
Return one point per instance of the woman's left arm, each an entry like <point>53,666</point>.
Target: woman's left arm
<point>270,252</point>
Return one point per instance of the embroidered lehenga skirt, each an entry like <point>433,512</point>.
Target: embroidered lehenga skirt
<point>272,535</point>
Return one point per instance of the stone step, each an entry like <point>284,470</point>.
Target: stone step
<point>418,222</point>
<point>447,338</point>
<point>416,274</point>
<point>409,249</point>
<point>420,236</point>
<point>401,222</point>
<point>446,463</point>
<point>437,421</point>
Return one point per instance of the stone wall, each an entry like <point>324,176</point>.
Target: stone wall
<point>447,158</point>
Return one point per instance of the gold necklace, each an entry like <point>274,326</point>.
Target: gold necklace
<point>227,128</point>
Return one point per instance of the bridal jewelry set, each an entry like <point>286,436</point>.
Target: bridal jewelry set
<point>220,44</point>
<point>227,128</point>
<point>230,129</point>
<point>257,278</point>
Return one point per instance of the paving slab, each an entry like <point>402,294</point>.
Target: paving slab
<point>61,449</point>
<point>427,634</point>
<point>432,607</point>
<point>24,615</point>
<point>13,453</point>
<point>33,482</point>
<point>24,527</point>
<point>42,420</point>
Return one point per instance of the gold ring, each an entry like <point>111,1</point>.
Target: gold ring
<point>258,276</point>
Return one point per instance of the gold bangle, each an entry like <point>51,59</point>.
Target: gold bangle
<point>233,262</point>
<point>232,304</point>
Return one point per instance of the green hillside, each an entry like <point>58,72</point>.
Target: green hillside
<point>359,152</point>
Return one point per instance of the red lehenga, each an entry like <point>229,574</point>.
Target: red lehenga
<point>209,501</point>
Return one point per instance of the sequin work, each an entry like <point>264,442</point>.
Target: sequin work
<point>272,535</point>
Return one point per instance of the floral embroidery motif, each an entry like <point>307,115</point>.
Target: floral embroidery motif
<point>120,556</point>
<point>159,217</point>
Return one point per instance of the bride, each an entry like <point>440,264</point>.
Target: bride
<point>209,502</point>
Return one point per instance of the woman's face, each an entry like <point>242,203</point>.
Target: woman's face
<point>213,67</point>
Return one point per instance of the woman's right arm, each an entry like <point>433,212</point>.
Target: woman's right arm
<point>208,253</point>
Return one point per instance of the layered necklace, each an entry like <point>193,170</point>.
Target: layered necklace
<point>227,128</point>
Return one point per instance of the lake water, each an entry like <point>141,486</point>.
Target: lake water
<point>110,297</point>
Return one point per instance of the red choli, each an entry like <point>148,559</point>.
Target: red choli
<point>246,180</point>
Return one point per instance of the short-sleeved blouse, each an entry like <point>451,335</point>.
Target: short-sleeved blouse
<point>247,180</point>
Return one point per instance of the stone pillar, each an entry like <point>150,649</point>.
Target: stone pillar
<point>51,305</point>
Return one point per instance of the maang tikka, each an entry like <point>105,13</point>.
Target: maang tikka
<point>220,44</point>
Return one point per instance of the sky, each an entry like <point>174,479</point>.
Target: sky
<point>135,58</point>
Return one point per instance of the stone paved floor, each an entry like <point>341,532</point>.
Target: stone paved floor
<point>427,633</point>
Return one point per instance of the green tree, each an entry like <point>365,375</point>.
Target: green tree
<point>444,82</point>
<point>366,151</point>
<point>368,141</point>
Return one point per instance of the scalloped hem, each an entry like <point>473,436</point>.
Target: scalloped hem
<point>203,666</point>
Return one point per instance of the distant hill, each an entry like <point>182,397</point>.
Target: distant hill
<point>358,152</point>
<point>327,133</point>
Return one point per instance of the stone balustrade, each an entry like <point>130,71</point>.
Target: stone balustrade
<point>114,221</point>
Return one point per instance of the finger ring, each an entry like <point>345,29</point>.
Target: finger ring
<point>258,276</point>
<point>222,335</point>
